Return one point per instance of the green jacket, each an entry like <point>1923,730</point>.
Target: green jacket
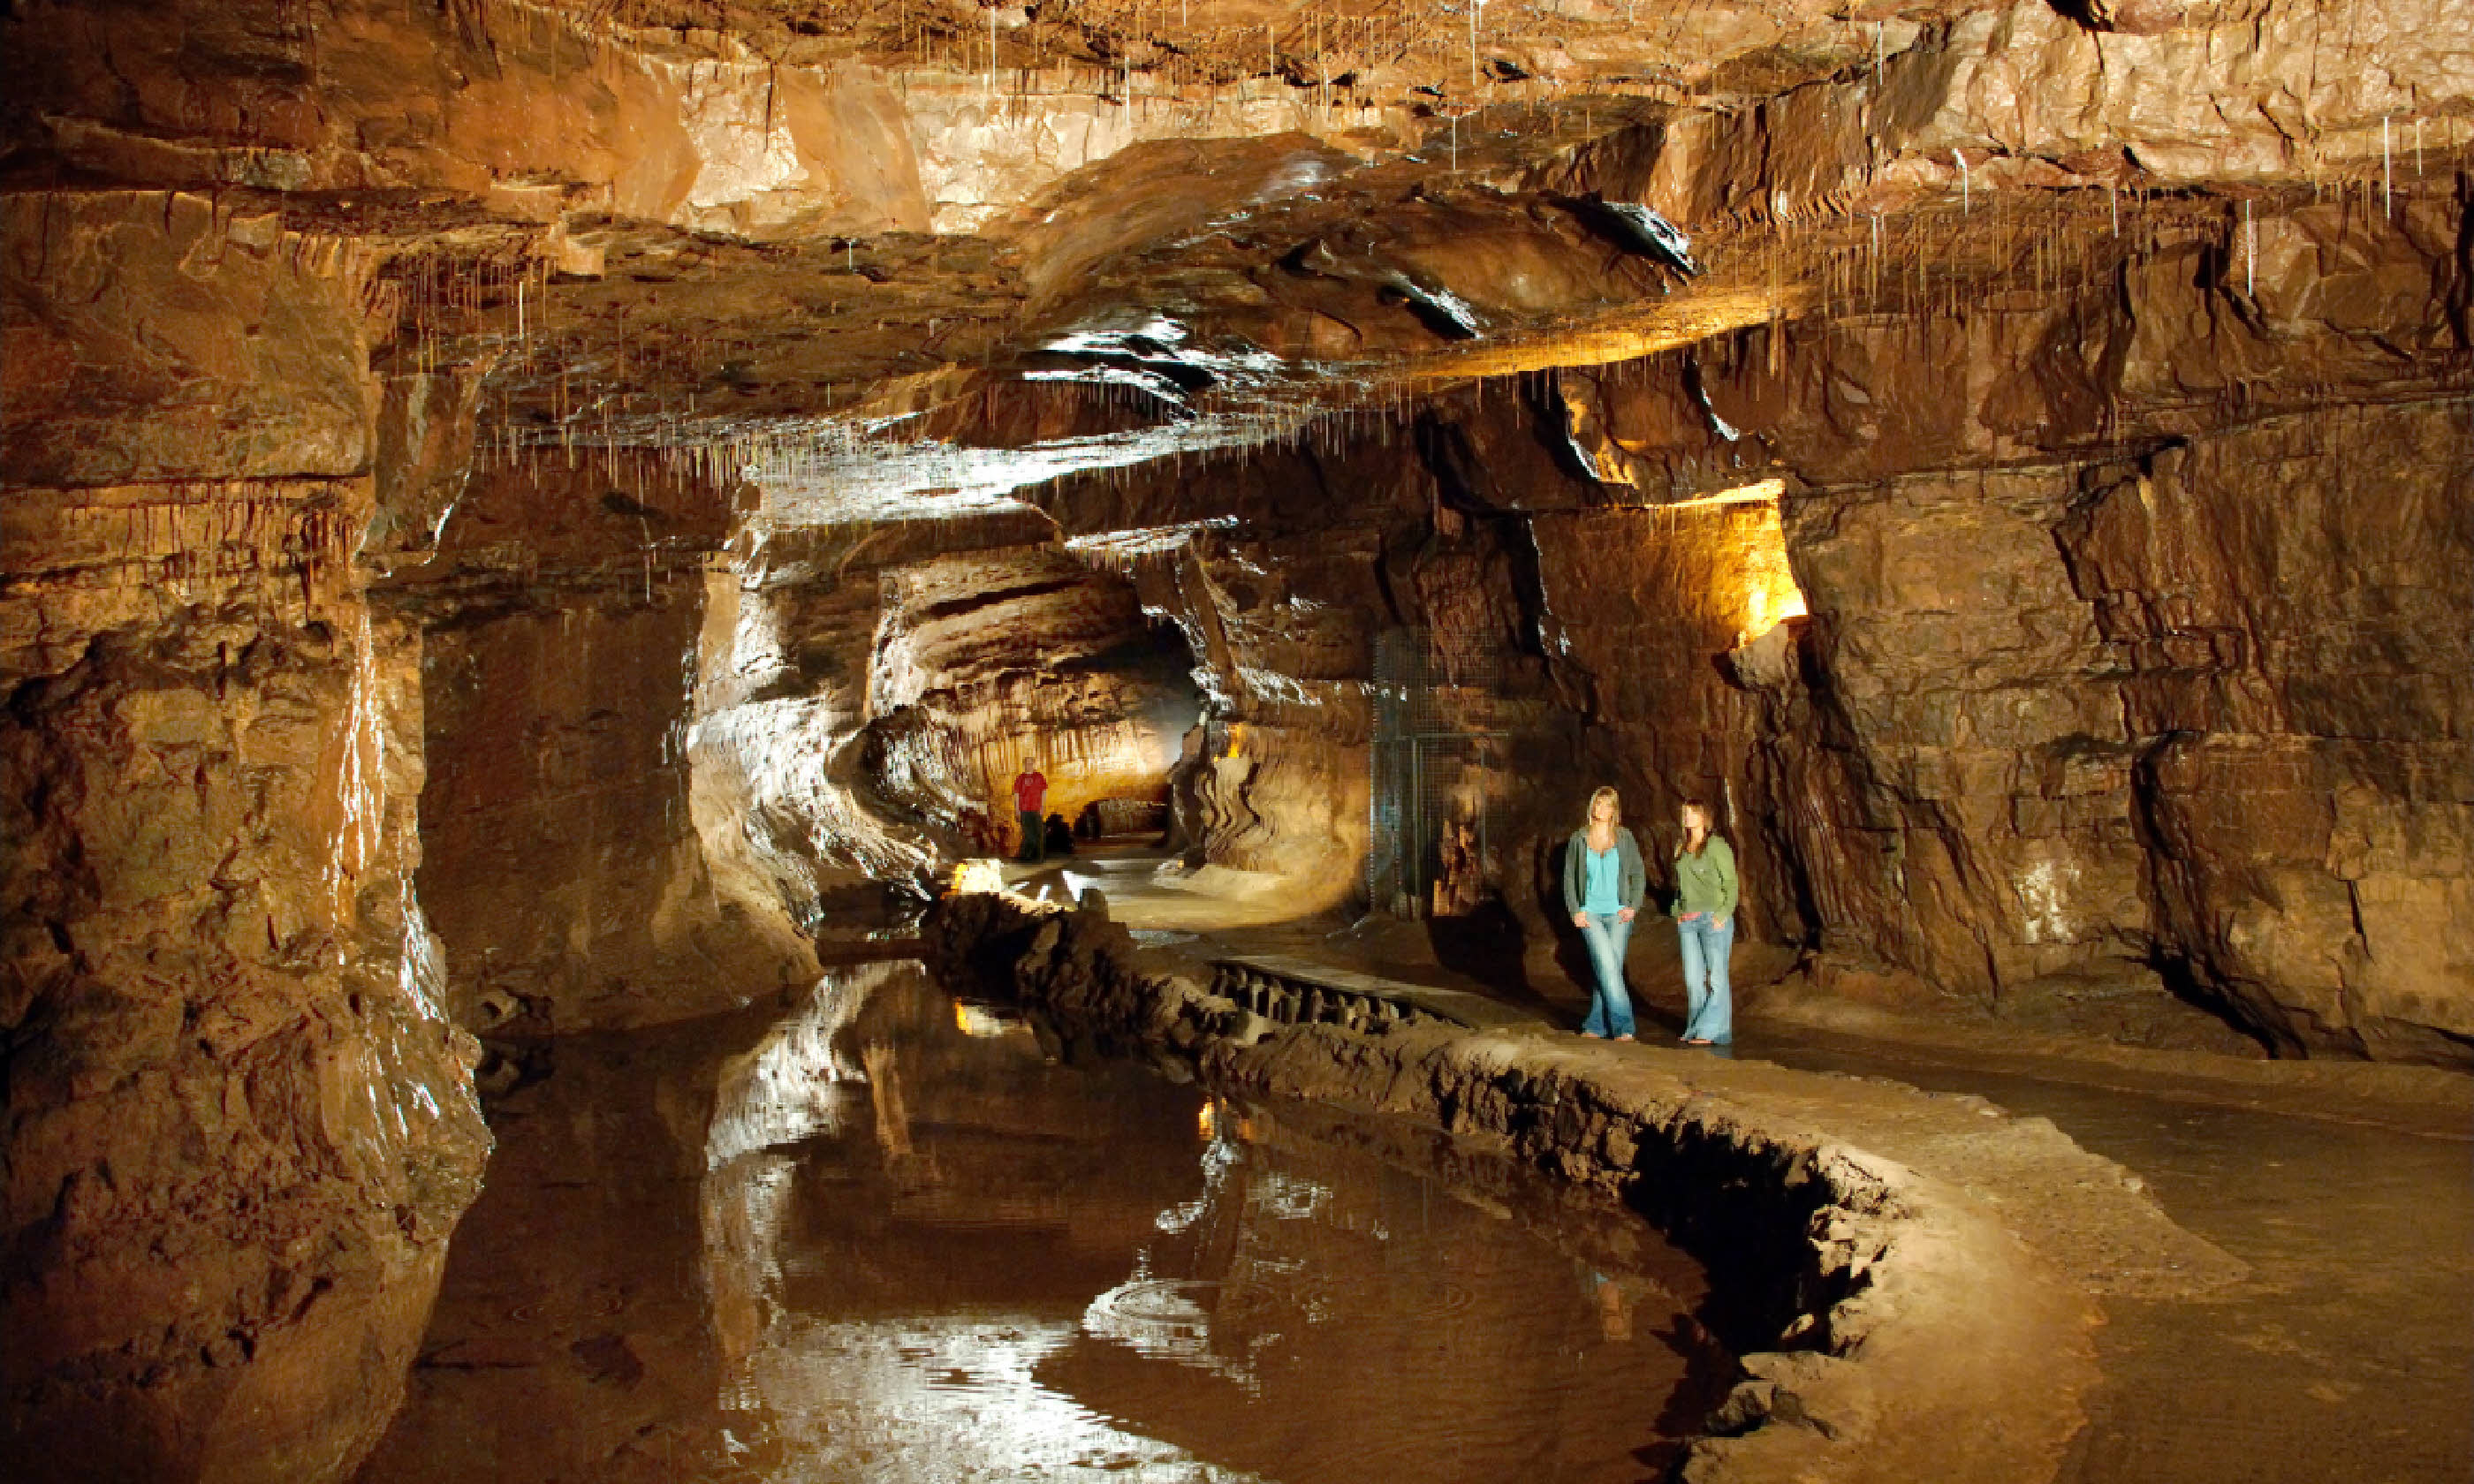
<point>1633,879</point>
<point>1706,882</point>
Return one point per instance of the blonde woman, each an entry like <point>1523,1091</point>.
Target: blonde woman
<point>1706,894</point>
<point>1602,882</point>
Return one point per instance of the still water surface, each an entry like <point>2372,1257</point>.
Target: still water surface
<point>885,1236</point>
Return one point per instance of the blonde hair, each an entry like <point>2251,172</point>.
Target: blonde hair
<point>1590,815</point>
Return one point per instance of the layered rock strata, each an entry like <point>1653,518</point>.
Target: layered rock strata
<point>867,693</point>
<point>562,605</point>
<point>239,1126</point>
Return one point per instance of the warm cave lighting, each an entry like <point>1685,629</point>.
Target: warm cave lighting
<point>1771,595</point>
<point>1760,491</point>
<point>1769,600</point>
<point>1206,1121</point>
<point>981,1023</point>
<point>1127,757</point>
<point>982,875</point>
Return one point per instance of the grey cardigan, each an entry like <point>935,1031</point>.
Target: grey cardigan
<point>1634,879</point>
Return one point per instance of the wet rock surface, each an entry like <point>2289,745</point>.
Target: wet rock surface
<point>240,1126</point>
<point>623,485</point>
<point>1864,1253</point>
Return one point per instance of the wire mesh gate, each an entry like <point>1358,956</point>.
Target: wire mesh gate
<point>1435,771</point>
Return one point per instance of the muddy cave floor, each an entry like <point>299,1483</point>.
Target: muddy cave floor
<point>2346,1352</point>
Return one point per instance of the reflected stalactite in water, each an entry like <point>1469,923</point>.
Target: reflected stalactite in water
<point>884,1089</point>
<point>743,1207</point>
<point>789,1087</point>
<point>797,1084</point>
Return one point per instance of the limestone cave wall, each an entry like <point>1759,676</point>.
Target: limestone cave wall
<point>2130,665</point>
<point>542,516</point>
<point>240,1125</point>
<point>562,605</point>
<point>670,749</point>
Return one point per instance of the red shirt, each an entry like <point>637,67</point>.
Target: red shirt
<point>1030,789</point>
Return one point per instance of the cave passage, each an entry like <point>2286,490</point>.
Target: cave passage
<point>537,536</point>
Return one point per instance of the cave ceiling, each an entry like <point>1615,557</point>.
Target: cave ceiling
<point>932,250</point>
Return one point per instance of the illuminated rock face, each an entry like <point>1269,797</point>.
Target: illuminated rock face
<point>2057,720</point>
<point>619,488</point>
<point>2041,727</point>
<point>657,771</point>
<point>563,607</point>
<point>869,692</point>
<point>240,1125</point>
<point>998,659</point>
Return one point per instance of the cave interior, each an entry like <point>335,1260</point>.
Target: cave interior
<point>529,519</point>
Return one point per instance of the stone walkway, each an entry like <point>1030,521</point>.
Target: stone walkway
<point>2345,1353</point>
<point>2345,1348</point>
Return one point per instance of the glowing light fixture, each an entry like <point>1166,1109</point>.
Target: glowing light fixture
<point>1769,604</point>
<point>1759,491</point>
<point>982,875</point>
<point>980,1023</point>
<point>1754,535</point>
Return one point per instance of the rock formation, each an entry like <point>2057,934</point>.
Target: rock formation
<point>240,1125</point>
<point>1912,1330</point>
<point>526,516</point>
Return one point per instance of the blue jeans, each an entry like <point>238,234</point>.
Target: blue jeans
<point>1709,1010</point>
<point>1611,1006</point>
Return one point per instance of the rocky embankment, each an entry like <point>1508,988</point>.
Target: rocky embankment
<point>1919,1297</point>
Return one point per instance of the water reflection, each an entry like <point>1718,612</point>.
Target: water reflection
<point>890,1237</point>
<point>995,1265</point>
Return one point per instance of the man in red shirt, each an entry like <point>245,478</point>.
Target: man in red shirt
<point>1029,794</point>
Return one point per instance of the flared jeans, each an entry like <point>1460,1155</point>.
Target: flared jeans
<point>1611,1007</point>
<point>1710,1011</point>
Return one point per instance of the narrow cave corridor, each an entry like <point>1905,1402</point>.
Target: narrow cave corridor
<point>542,545</point>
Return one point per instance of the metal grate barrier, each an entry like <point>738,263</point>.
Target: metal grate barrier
<point>1431,793</point>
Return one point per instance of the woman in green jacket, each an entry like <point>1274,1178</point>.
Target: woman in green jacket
<point>1705,915</point>
<point>1604,880</point>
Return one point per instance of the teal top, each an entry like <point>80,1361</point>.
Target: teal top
<point>1706,882</point>
<point>1630,883</point>
<point>1605,893</point>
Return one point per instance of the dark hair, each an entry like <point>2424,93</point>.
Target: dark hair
<point>1701,808</point>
